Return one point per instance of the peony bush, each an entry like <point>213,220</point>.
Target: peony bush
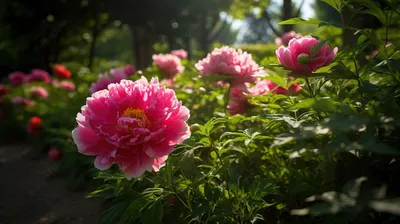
<point>306,135</point>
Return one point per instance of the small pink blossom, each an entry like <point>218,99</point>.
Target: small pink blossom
<point>266,86</point>
<point>18,100</point>
<point>133,124</point>
<point>169,83</point>
<point>67,85</point>
<point>17,78</point>
<point>286,37</point>
<point>115,76</point>
<point>169,64</point>
<point>238,65</point>
<point>38,75</point>
<point>129,69</point>
<point>39,92</point>
<point>238,102</point>
<point>182,54</point>
<point>294,57</point>
<point>54,154</point>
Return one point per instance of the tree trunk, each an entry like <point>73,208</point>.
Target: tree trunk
<point>142,47</point>
<point>287,13</point>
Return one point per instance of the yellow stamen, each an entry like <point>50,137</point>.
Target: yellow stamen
<point>139,115</point>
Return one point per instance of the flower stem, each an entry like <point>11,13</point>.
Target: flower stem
<point>227,97</point>
<point>309,87</point>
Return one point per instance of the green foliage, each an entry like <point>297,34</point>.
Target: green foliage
<point>328,154</point>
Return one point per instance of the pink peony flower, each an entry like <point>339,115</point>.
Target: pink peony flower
<point>238,102</point>
<point>38,75</point>
<point>134,124</point>
<point>116,75</point>
<point>182,54</point>
<point>168,83</point>
<point>227,61</point>
<point>298,56</point>
<point>169,64</point>
<point>18,100</point>
<point>286,37</point>
<point>129,69</point>
<point>54,154</point>
<point>70,86</point>
<point>17,78</point>
<point>39,92</point>
<point>266,86</point>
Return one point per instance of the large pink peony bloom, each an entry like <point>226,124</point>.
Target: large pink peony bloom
<point>298,56</point>
<point>227,61</point>
<point>17,78</point>
<point>39,92</point>
<point>182,54</point>
<point>38,75</point>
<point>134,124</point>
<point>169,64</point>
<point>286,37</point>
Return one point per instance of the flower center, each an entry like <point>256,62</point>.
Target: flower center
<point>139,115</point>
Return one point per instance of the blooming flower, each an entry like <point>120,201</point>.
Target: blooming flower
<point>169,64</point>
<point>299,55</point>
<point>182,54</point>
<point>39,92</point>
<point>70,86</point>
<point>134,124</point>
<point>227,61</point>
<point>266,86</point>
<point>286,37</point>
<point>129,69</point>
<point>238,102</point>
<point>17,78</point>
<point>115,76</point>
<point>38,75</point>
<point>19,100</point>
<point>34,126</point>
<point>54,154</point>
<point>61,71</point>
<point>3,90</point>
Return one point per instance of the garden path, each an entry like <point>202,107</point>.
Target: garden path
<point>27,196</point>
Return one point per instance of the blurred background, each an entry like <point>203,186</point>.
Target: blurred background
<point>37,34</point>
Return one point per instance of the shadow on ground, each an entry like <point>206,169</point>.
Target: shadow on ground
<point>28,197</point>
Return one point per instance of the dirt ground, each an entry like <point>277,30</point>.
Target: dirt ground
<point>27,196</point>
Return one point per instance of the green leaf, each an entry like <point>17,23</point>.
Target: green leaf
<point>336,4</point>
<point>310,21</point>
<point>153,213</point>
<point>276,79</point>
<point>318,104</point>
